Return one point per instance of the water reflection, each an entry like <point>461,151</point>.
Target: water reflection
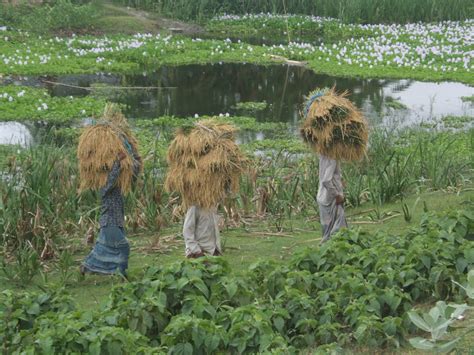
<point>15,133</point>
<point>212,89</point>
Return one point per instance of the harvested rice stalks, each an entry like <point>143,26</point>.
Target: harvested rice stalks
<point>333,126</point>
<point>205,163</point>
<point>99,146</point>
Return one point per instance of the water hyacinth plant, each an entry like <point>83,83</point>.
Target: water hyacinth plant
<point>22,103</point>
<point>435,51</point>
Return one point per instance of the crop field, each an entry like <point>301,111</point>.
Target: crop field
<point>399,280</point>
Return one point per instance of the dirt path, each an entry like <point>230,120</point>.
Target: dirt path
<point>159,22</point>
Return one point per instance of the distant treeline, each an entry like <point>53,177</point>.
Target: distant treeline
<point>354,11</point>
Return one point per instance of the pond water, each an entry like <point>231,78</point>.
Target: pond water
<point>259,40</point>
<point>216,88</point>
<point>15,133</point>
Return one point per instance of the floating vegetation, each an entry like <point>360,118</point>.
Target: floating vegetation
<point>21,103</point>
<point>457,122</point>
<point>251,106</point>
<point>468,99</point>
<point>395,104</point>
<point>437,51</point>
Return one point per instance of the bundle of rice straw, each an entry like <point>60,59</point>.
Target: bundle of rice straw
<point>333,126</point>
<point>205,163</point>
<point>99,146</point>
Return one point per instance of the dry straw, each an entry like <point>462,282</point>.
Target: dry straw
<point>99,147</point>
<point>205,163</point>
<point>333,126</point>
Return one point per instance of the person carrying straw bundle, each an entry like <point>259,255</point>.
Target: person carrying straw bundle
<point>205,165</point>
<point>336,130</point>
<point>109,162</point>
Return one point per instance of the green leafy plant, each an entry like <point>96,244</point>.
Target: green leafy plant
<point>189,335</point>
<point>23,267</point>
<point>440,319</point>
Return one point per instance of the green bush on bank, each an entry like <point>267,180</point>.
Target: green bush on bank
<point>59,15</point>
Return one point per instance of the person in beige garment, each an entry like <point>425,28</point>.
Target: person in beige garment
<point>201,232</point>
<point>330,197</point>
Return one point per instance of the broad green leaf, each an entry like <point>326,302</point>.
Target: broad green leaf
<point>279,323</point>
<point>265,342</point>
<point>188,349</point>
<point>34,309</point>
<point>147,319</point>
<point>469,255</point>
<point>94,348</point>
<point>46,345</point>
<point>133,323</point>
<point>429,320</point>
<point>447,347</point>
<point>161,301</point>
<point>435,312</point>
<point>214,342</point>
<point>231,289</point>
<point>114,348</point>
<point>360,331</point>
<point>201,286</point>
<point>470,279</point>
<point>459,309</point>
<point>440,329</point>
<point>426,261</point>
<point>421,343</point>
<point>111,320</point>
<point>418,321</point>
<point>182,282</point>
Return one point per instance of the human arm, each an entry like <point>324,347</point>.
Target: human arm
<point>113,176</point>
<point>328,169</point>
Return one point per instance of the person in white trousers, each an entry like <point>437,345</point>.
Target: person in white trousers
<point>330,197</point>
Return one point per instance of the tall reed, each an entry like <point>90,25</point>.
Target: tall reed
<point>354,11</point>
<point>39,203</point>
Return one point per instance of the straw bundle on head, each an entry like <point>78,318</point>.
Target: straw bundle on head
<point>205,163</point>
<point>99,147</point>
<point>114,115</point>
<point>333,126</point>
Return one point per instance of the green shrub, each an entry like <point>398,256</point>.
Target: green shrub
<point>61,15</point>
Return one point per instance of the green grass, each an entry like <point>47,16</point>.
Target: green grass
<point>6,151</point>
<point>245,246</point>
<point>120,20</point>
<point>124,25</point>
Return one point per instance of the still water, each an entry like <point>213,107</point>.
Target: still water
<point>15,133</point>
<point>216,88</point>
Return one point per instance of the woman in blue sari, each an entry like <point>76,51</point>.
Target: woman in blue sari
<point>111,251</point>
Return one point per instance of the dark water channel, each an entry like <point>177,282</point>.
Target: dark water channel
<point>214,89</point>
